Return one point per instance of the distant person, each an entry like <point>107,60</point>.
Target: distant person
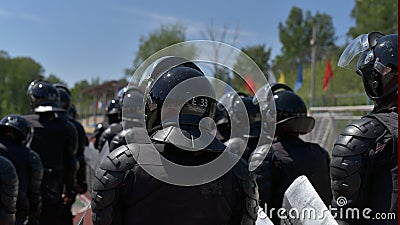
<point>114,110</point>
<point>81,185</point>
<point>364,167</point>
<point>252,112</point>
<point>83,141</point>
<point>14,132</point>
<point>289,156</point>
<point>55,139</point>
<point>113,117</point>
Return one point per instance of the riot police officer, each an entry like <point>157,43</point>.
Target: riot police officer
<point>8,191</point>
<point>364,166</point>
<point>289,156</point>
<point>81,185</point>
<point>251,111</point>
<point>114,111</point>
<point>113,117</point>
<point>131,193</point>
<point>14,132</point>
<point>82,143</point>
<point>55,140</point>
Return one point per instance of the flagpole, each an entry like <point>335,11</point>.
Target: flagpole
<point>313,51</point>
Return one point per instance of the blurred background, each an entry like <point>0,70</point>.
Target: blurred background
<point>94,47</point>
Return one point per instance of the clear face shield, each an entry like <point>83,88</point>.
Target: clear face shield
<point>364,43</point>
<point>355,47</point>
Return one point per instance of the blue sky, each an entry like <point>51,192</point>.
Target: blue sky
<point>86,39</point>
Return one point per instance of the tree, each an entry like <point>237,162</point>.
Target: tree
<point>212,34</point>
<point>371,15</point>
<point>259,55</point>
<point>52,78</point>
<point>15,76</point>
<point>167,35</point>
<point>295,36</point>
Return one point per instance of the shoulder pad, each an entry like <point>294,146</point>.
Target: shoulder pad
<point>120,137</point>
<point>365,127</point>
<point>121,159</point>
<point>112,130</point>
<point>107,179</point>
<point>35,161</point>
<point>350,145</point>
<point>115,127</point>
<point>99,126</point>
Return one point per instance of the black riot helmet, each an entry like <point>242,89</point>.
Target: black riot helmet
<point>251,110</point>
<point>378,67</point>
<point>181,100</point>
<point>62,86</point>
<point>18,124</point>
<point>291,111</point>
<point>228,100</point>
<point>72,112</point>
<point>44,97</point>
<point>192,111</point>
<point>65,98</point>
<point>114,111</point>
<point>377,64</point>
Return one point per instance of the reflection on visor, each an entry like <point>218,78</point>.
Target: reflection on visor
<point>358,45</point>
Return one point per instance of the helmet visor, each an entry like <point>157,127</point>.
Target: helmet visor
<point>358,45</point>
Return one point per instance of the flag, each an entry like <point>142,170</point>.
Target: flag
<point>271,77</point>
<point>328,75</point>
<point>299,81</point>
<point>281,78</point>
<point>250,84</point>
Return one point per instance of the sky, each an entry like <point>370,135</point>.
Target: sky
<point>85,39</point>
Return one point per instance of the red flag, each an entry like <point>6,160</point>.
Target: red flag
<point>328,74</point>
<point>250,84</point>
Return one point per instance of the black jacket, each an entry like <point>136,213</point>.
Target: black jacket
<point>30,172</point>
<point>289,158</point>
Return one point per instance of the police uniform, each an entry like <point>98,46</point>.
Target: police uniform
<point>8,191</point>
<point>364,168</point>
<point>55,140</point>
<point>289,156</point>
<point>125,193</point>
<point>14,131</point>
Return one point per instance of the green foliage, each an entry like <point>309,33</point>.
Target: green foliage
<point>259,55</point>
<point>15,76</point>
<point>295,36</point>
<point>167,35</point>
<point>52,78</point>
<point>371,15</point>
